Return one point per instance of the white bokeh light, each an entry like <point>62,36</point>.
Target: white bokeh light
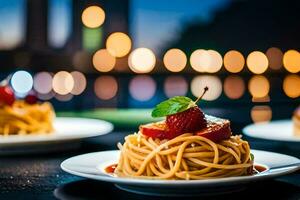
<point>63,82</point>
<point>212,82</point>
<point>21,82</point>
<point>142,60</point>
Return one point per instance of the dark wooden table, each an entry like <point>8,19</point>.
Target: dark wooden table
<point>40,176</point>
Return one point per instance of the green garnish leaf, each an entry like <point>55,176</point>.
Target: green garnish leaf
<point>251,156</point>
<point>172,106</point>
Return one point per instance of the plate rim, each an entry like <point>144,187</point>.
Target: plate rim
<point>40,139</point>
<point>245,131</point>
<point>166,183</point>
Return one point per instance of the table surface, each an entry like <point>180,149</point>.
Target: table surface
<point>40,176</point>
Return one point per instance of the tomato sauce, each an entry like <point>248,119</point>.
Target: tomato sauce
<point>260,168</point>
<point>111,168</point>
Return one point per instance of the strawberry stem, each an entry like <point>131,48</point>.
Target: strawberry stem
<point>199,98</point>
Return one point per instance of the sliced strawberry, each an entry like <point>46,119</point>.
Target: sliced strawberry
<point>188,121</point>
<point>154,130</point>
<point>217,129</point>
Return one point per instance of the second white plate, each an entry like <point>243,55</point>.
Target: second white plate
<point>281,130</point>
<point>68,132</point>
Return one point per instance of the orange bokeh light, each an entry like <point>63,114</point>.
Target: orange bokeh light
<point>234,87</point>
<point>291,86</point>
<point>103,61</point>
<point>118,44</point>
<point>93,16</point>
<point>261,114</point>
<point>175,60</point>
<point>291,61</point>
<point>257,62</point>
<point>259,86</point>
<point>234,61</point>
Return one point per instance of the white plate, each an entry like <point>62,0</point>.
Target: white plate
<point>92,166</point>
<point>281,130</point>
<point>67,130</point>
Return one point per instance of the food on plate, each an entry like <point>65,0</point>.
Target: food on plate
<point>188,144</point>
<point>296,121</point>
<point>26,116</point>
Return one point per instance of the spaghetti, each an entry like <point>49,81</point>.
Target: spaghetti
<point>186,157</point>
<point>23,118</point>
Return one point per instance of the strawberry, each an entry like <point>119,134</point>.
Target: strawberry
<point>188,121</point>
<point>31,99</point>
<point>217,129</point>
<point>154,130</point>
<point>7,96</point>
<point>182,116</point>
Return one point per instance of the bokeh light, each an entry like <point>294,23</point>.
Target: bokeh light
<point>42,82</point>
<point>234,87</point>
<point>215,63</point>
<point>21,82</point>
<point>261,114</point>
<point>79,82</point>
<point>66,97</point>
<point>200,60</point>
<point>92,38</point>
<point>118,44</point>
<point>142,87</point>
<point>212,82</point>
<point>291,61</point>
<point>93,16</point>
<point>106,87</point>
<point>291,86</point>
<point>274,56</point>
<point>206,61</point>
<point>63,82</point>
<point>141,60</point>
<point>175,60</point>
<point>259,86</point>
<point>234,61</point>
<point>103,61</point>
<point>257,62</point>
<point>175,86</point>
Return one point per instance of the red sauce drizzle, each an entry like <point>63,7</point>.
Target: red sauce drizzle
<point>111,168</point>
<point>259,168</point>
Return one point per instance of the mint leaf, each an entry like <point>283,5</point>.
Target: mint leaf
<point>172,106</point>
<point>251,156</point>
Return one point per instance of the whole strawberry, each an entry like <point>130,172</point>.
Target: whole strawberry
<point>188,121</point>
<point>7,96</point>
<point>182,115</point>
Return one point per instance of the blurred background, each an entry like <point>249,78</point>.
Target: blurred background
<point>116,59</point>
